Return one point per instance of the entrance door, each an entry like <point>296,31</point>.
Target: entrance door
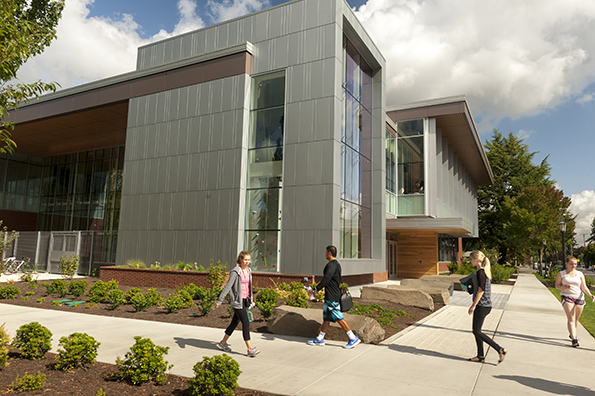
<point>391,259</point>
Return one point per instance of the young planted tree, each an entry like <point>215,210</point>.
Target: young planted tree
<point>26,29</point>
<point>6,239</point>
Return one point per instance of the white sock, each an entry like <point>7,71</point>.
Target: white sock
<point>321,336</point>
<point>351,335</point>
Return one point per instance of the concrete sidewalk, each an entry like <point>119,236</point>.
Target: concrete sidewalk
<point>428,358</point>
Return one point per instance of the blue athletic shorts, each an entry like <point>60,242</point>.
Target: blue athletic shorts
<point>331,312</point>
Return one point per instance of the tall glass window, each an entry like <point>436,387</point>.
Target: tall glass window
<point>355,209</point>
<point>265,171</point>
<point>391,172</point>
<point>410,165</point>
<point>448,248</point>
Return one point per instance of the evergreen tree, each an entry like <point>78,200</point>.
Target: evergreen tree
<point>592,236</point>
<point>511,163</point>
<point>27,27</point>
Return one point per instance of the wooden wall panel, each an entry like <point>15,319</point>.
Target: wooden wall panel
<point>417,254</point>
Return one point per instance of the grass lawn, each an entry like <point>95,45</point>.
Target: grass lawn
<point>588,317</point>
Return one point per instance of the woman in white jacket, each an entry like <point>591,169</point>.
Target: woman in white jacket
<point>239,287</point>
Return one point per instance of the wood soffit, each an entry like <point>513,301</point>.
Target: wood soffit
<point>97,118</point>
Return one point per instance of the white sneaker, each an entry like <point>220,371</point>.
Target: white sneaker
<point>253,352</point>
<point>316,341</point>
<point>224,346</point>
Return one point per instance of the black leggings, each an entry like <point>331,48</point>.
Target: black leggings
<point>240,315</point>
<point>479,316</point>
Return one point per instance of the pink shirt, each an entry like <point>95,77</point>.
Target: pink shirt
<point>245,277</point>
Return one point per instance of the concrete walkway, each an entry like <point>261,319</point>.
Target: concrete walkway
<point>428,358</point>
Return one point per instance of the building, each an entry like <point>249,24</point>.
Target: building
<point>265,133</point>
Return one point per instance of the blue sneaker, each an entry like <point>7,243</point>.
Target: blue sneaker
<point>316,341</point>
<point>352,343</point>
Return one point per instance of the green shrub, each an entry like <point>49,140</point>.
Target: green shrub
<point>135,263</point>
<point>100,392</point>
<point>177,301</point>
<point>58,286</point>
<point>78,350</point>
<point>215,376</point>
<point>466,268</point>
<point>31,281</point>
<point>26,298</point>
<point>298,298</point>
<point>9,292</point>
<point>266,301</point>
<point>4,346</point>
<point>139,302</point>
<point>77,288</point>
<point>29,293</point>
<point>589,282</point>
<point>98,291</point>
<point>190,288</point>
<point>143,363</point>
<point>34,340</point>
<point>115,299</point>
<point>130,293</point>
<point>28,382</point>
<point>501,273</point>
<point>207,301</point>
<point>453,267</point>
<point>41,300</point>
<point>217,274</point>
<point>153,297</point>
<point>68,266</point>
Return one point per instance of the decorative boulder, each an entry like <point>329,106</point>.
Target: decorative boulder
<point>453,278</point>
<point>440,295</point>
<point>424,283</point>
<point>306,322</point>
<point>402,295</point>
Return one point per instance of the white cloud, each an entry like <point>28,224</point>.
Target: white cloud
<point>586,98</point>
<point>222,10</point>
<point>522,134</point>
<point>583,205</point>
<point>487,50</point>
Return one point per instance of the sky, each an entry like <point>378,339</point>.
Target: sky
<point>525,66</point>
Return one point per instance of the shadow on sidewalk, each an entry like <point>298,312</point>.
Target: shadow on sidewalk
<point>540,340</point>
<point>553,387</point>
<point>194,342</point>
<point>416,351</point>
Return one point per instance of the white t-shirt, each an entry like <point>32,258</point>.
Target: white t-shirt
<point>575,285</point>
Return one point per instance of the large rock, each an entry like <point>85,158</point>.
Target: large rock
<point>306,322</point>
<point>440,293</point>
<point>402,295</point>
<point>432,283</point>
<point>452,278</point>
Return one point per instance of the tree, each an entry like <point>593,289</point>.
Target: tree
<point>589,255</point>
<point>6,239</point>
<point>513,170</point>
<point>592,236</point>
<point>534,215</point>
<point>27,27</point>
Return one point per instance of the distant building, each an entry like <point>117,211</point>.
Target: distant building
<point>265,133</point>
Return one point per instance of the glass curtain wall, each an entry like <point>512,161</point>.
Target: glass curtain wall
<point>20,180</point>
<point>82,191</point>
<point>391,172</point>
<point>355,210</point>
<point>410,165</point>
<point>265,171</point>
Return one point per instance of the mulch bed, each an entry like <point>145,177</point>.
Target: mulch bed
<point>81,382</point>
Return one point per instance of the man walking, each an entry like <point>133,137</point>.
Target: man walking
<point>332,295</point>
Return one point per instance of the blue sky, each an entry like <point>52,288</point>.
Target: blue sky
<point>535,79</point>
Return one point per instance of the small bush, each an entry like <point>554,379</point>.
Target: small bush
<point>589,282</point>
<point>453,267</point>
<point>4,346</point>
<point>177,301</point>
<point>217,275</point>
<point>41,300</point>
<point>98,291</point>
<point>9,292</point>
<point>29,293</point>
<point>34,340</point>
<point>58,286</point>
<point>266,301</point>
<point>28,382</point>
<point>208,300</point>
<point>135,263</point>
<point>191,288</point>
<point>68,266</point>
<point>501,273</point>
<point>56,303</point>
<point>215,376</point>
<point>139,302</point>
<point>100,392</point>
<point>77,288</point>
<point>115,299</point>
<point>30,279</point>
<point>78,350</point>
<point>26,298</point>
<point>298,298</point>
<point>153,297</point>
<point>143,363</point>
<point>130,293</point>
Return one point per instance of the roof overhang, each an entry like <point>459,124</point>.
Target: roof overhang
<point>95,115</point>
<point>454,118</point>
<point>456,227</point>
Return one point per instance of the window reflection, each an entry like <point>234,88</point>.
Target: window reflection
<point>410,167</point>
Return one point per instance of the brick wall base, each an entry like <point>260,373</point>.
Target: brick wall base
<point>145,277</point>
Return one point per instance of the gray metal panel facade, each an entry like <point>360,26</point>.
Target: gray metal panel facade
<point>190,144</point>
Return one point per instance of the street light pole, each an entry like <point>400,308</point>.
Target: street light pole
<point>562,227</point>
